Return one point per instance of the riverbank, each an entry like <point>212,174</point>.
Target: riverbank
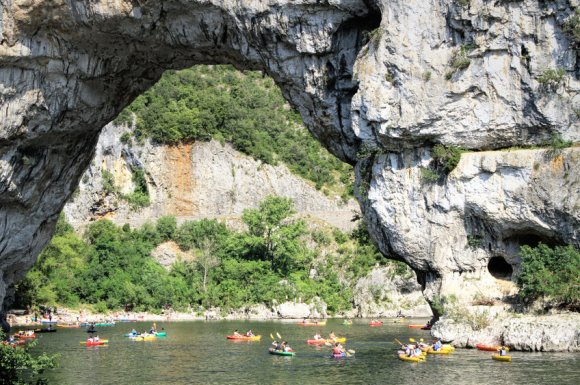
<point>284,311</point>
<point>545,333</point>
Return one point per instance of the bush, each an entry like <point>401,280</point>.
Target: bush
<point>572,27</point>
<point>19,367</point>
<point>446,157</point>
<point>550,273</point>
<point>429,175</point>
<point>551,78</point>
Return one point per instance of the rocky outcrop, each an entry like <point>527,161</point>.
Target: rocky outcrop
<point>190,182</point>
<point>483,75</point>
<point>559,332</point>
<point>384,293</point>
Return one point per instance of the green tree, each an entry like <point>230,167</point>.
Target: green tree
<point>275,234</point>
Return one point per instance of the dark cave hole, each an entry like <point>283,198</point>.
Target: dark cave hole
<point>499,268</point>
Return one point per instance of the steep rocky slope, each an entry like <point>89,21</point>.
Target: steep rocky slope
<point>191,181</point>
<point>483,75</point>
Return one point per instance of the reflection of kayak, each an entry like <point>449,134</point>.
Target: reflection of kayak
<point>142,337</point>
<point>95,343</point>
<point>377,323</point>
<point>322,342</point>
<point>488,348</point>
<point>244,338</point>
<point>323,323</point>
<point>280,352</point>
<point>404,357</point>
<point>44,330</point>
<point>497,357</point>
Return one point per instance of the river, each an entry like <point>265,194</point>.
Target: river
<point>198,353</point>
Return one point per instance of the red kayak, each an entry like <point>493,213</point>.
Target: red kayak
<point>416,326</point>
<point>25,336</point>
<point>487,348</point>
<point>378,323</point>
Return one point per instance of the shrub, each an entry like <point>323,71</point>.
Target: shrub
<point>108,182</point>
<point>429,175</point>
<point>446,157</point>
<point>551,78</point>
<point>572,27</point>
<point>550,273</point>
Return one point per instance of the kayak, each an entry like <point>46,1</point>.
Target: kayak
<point>105,324</point>
<point>441,351</point>
<point>404,357</point>
<point>280,352</point>
<point>44,330</point>
<point>149,337</point>
<point>497,357</point>
<point>311,323</point>
<point>160,334</point>
<point>47,321</point>
<point>244,338</point>
<point>68,326</point>
<point>322,342</point>
<point>378,323</point>
<point>341,355</point>
<point>488,348</point>
<point>21,336</point>
<point>94,343</point>
<point>447,348</point>
<point>416,326</point>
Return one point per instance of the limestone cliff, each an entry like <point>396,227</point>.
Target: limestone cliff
<point>480,74</point>
<point>191,181</point>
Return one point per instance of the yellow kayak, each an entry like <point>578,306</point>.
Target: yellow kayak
<point>404,357</point>
<point>323,341</point>
<point>442,351</point>
<point>497,357</point>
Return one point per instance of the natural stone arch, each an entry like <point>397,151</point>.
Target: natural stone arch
<point>69,67</point>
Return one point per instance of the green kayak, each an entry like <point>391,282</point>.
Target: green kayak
<point>161,334</point>
<point>280,352</point>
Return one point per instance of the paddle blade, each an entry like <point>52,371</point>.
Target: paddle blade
<point>278,334</point>
<point>271,336</point>
<point>351,351</point>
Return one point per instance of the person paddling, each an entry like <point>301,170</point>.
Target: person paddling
<point>332,336</point>
<point>237,334</point>
<point>317,336</point>
<point>437,345</point>
<point>503,351</point>
<point>249,333</point>
<point>338,349</point>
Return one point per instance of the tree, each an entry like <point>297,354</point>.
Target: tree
<point>206,257</point>
<point>275,234</point>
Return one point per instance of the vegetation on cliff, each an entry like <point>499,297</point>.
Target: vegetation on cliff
<point>274,260</point>
<point>551,274</point>
<point>245,109</point>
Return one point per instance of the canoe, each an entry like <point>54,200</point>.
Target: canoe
<point>68,326</point>
<point>379,323</point>
<point>97,343</point>
<point>322,342</point>
<point>488,348</point>
<point>311,323</point>
<point>162,334</point>
<point>416,326</point>
<point>280,352</point>
<point>244,338</point>
<point>497,357</point>
<point>404,357</point>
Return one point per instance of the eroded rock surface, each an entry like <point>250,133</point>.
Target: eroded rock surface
<point>433,72</point>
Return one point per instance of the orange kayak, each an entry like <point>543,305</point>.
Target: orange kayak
<point>416,326</point>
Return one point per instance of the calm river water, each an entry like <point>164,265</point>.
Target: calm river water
<point>198,353</point>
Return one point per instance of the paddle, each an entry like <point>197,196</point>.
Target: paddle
<point>271,336</point>
<point>278,334</point>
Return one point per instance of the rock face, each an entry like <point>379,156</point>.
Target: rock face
<point>191,181</point>
<point>529,333</point>
<point>484,76</point>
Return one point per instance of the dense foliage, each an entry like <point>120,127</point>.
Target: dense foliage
<point>245,109</point>
<point>19,367</point>
<point>112,266</point>
<point>551,273</point>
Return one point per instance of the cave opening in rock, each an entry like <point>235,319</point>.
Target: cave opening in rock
<point>499,268</point>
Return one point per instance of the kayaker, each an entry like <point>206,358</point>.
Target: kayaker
<point>237,334</point>
<point>89,340</point>
<point>418,352</point>
<point>332,336</point>
<point>96,339</point>
<point>304,321</point>
<point>249,333</point>
<point>338,349</point>
<point>437,345</point>
<point>286,347</point>
<point>503,351</point>
<point>317,336</point>
<point>134,332</point>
